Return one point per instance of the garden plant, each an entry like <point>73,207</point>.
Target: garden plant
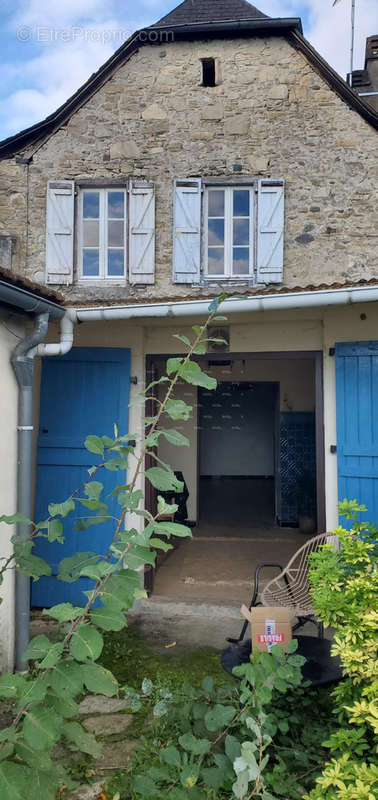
<point>240,740</point>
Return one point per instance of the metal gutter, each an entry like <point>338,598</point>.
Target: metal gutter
<point>274,302</point>
<point>24,300</point>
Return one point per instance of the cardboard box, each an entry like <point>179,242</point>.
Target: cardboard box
<point>270,625</point>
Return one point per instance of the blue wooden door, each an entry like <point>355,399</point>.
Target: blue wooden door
<point>82,393</point>
<point>357,424</point>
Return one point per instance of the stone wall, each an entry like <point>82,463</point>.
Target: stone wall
<point>271,115</point>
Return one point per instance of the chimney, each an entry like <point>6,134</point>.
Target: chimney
<point>365,81</point>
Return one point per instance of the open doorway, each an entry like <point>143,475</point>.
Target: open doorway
<point>238,465</point>
<point>254,464</point>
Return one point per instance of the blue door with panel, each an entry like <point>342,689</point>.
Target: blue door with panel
<point>357,424</point>
<point>85,392</point>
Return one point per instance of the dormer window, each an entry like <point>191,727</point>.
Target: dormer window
<point>208,72</point>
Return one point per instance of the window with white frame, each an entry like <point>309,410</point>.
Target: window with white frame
<point>229,231</point>
<point>102,234</point>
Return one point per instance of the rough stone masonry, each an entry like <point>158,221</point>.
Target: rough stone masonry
<point>270,115</point>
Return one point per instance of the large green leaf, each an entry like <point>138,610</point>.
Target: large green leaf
<point>26,562</point>
<point>109,618</point>
<point>55,530</point>
<point>70,568</point>
<point>62,509</point>
<point>94,445</point>
<point>64,612</point>
<point>13,519</point>
<point>121,588</point>
<point>161,545</point>
<point>99,680</point>
<point>175,437</point>
<point>144,786</point>
<point>38,647</point>
<point>171,756</point>
<point>178,409</point>
<point>138,556</point>
<point>173,365</point>
<point>191,372</point>
<point>219,717</point>
<point>214,777</point>
<point>33,693</point>
<point>86,643</point>
<point>11,685</point>
<point>93,490</point>
<point>32,757</point>
<point>14,781</point>
<point>41,728</point>
<point>172,528</point>
<point>232,748</point>
<point>67,679</point>
<point>164,479</point>
<point>45,784</point>
<point>199,747</point>
<point>64,706</point>
<point>84,741</point>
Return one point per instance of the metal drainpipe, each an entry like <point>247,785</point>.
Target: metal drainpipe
<point>23,367</point>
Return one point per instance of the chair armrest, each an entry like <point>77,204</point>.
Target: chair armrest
<point>258,569</point>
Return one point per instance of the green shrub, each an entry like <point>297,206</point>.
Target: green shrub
<point>344,585</point>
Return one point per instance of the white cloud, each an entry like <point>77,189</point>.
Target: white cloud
<point>93,30</point>
<point>329,28</point>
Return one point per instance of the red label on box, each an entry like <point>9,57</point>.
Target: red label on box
<point>271,638</point>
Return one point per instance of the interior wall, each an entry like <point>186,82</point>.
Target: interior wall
<point>237,427</point>
<point>295,376</point>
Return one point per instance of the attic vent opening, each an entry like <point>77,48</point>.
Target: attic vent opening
<point>208,72</point>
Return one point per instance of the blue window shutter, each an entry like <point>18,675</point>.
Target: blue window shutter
<point>60,232</point>
<point>187,230</point>
<point>142,232</point>
<point>270,231</point>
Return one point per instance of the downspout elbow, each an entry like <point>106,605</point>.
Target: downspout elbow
<point>66,338</point>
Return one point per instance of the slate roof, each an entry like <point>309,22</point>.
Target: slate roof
<point>44,292</point>
<point>191,12</point>
<point>244,293</point>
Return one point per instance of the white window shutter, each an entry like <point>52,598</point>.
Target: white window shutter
<point>270,231</point>
<point>60,231</point>
<point>187,230</point>
<point>142,232</point>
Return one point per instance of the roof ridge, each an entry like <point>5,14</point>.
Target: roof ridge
<point>193,11</point>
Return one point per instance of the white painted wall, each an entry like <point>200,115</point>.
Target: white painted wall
<point>299,330</point>
<point>8,477</point>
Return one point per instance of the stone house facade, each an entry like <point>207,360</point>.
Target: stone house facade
<point>215,152</point>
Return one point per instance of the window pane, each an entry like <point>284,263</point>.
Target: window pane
<point>90,262</point>
<point>115,262</point>
<point>216,231</point>
<point>91,205</point>
<point>240,260</point>
<point>116,205</point>
<point>215,264</point>
<point>216,203</point>
<point>115,234</point>
<point>241,231</point>
<point>90,233</point>
<point>241,202</point>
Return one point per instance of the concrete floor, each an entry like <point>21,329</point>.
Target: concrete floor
<point>219,570</point>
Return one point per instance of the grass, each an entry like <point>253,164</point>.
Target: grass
<point>130,658</point>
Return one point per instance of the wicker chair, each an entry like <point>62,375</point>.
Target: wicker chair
<point>291,587</point>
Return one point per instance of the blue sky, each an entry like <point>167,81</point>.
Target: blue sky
<point>49,49</point>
